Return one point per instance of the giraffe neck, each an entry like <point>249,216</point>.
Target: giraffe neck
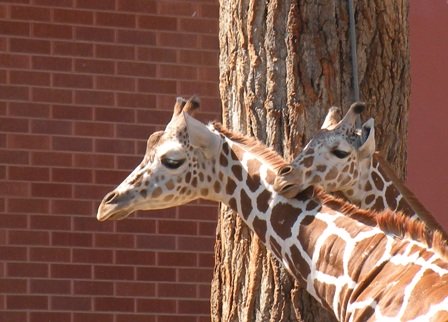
<point>320,243</point>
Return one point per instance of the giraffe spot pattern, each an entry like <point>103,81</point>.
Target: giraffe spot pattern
<point>230,187</point>
<point>260,228</point>
<point>282,219</point>
<point>332,174</point>
<point>378,181</point>
<point>237,171</point>
<point>391,197</point>
<point>246,204</point>
<point>263,201</point>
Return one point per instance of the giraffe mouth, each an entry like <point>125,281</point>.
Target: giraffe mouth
<point>107,212</point>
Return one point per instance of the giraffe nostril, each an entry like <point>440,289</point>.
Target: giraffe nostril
<point>285,170</point>
<point>110,197</point>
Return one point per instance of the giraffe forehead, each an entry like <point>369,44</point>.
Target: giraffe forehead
<point>172,146</point>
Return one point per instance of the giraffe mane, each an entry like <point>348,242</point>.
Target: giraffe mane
<point>410,197</point>
<point>390,222</point>
<point>252,145</point>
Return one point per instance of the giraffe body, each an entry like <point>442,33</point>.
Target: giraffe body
<point>357,264</point>
<point>342,159</point>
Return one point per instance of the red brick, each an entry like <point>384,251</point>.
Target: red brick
<point>140,132</point>
<point>178,318</point>
<point>136,100</point>
<point>72,112</point>
<point>112,177</point>
<point>72,80</point>
<point>199,88</point>
<point>114,240</point>
<point>20,302</point>
<point>71,16</point>
<point>135,289</point>
<point>93,288</point>
<point>178,72</point>
<point>54,3</point>
<point>115,83</point>
<point>51,159</point>
<point>129,162</point>
<point>28,173</point>
<point>14,92</point>
<point>199,212</point>
<point>176,259</point>
<point>87,255</point>
<point>12,221</point>
<point>136,69</point>
<point>25,141</point>
<point>149,116</point>
<point>14,60</point>
<point>136,226</point>
<point>12,253</point>
<point>71,239</point>
<point>57,31</point>
<point>98,5</point>
<point>114,115</point>
<point>156,306</point>
<point>115,51</point>
<point>114,304</point>
<point>154,54</point>
<point>52,95</point>
<point>156,274</point>
<point>8,124</point>
<point>205,290</point>
<point>51,190</point>
<point>136,37</point>
<point>9,27</point>
<point>30,13</point>
<point>195,307</point>
<point>72,144</point>
<point>198,25</point>
<point>27,269</point>
<point>157,86</point>
<point>181,8</point>
<point>93,317</point>
<point>94,161</point>
<point>177,40</point>
<point>94,66</point>
<point>176,290</point>
<point>208,74</point>
<point>18,189</point>
<point>95,34</point>
<point>51,63</point>
<point>199,58</point>
<point>50,286</point>
<point>210,11</point>
<point>71,271</point>
<point>50,222</point>
<point>92,129</point>
<point>13,285</point>
<point>29,109</point>
<point>209,42</point>
<point>90,192</point>
<point>29,78</point>
<point>49,316</point>
<point>114,272</point>
<point>114,146</point>
<point>157,22</point>
<point>91,224</point>
<point>51,127</point>
<point>66,48</point>
<point>71,303</point>
<point>134,258</point>
<point>13,316</point>
<point>195,275</point>
<point>140,6</point>
<point>115,20</point>
<point>35,46</point>
<point>175,227</point>
<point>29,237</point>
<point>71,175</point>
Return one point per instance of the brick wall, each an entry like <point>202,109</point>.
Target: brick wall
<point>82,85</point>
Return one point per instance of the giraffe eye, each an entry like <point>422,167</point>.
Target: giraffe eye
<point>340,154</point>
<point>172,163</point>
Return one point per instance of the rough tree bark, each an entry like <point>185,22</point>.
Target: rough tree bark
<point>283,63</point>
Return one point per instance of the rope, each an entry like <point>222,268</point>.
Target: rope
<point>351,13</point>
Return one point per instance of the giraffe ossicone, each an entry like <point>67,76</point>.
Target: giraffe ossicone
<point>360,265</point>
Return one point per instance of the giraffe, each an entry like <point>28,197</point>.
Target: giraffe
<point>341,158</point>
<point>360,265</point>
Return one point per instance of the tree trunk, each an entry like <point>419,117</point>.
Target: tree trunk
<point>282,65</point>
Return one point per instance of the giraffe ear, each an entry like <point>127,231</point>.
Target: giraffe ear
<point>201,137</point>
<point>332,119</point>
<point>368,145</point>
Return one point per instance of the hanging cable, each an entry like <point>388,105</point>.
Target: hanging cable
<point>351,13</point>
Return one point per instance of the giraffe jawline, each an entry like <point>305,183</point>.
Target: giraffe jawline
<point>104,215</point>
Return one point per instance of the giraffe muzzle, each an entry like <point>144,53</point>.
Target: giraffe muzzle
<point>114,206</point>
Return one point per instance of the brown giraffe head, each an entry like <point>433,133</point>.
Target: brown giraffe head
<point>333,157</point>
<point>177,168</point>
